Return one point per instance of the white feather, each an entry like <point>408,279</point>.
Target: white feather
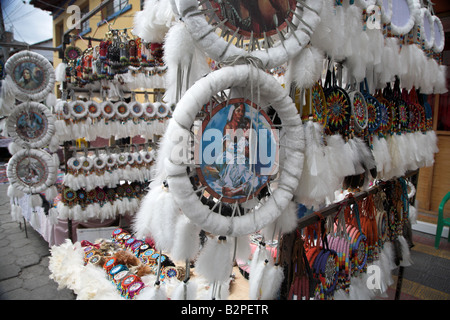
<point>285,223</point>
<point>181,63</point>
<point>13,192</point>
<point>63,210</point>
<point>218,291</point>
<point>54,144</point>
<point>340,294</point>
<point>359,290</point>
<point>329,34</point>
<point>53,216</point>
<point>243,249</point>
<point>60,72</point>
<point>397,164</point>
<point>35,220</point>
<point>412,214</point>
<point>272,281</point>
<point>185,291</point>
<point>381,155</point>
<point>36,201</point>
<point>305,69</point>
<point>66,263</point>
<point>386,264</point>
<point>16,213</point>
<point>355,156</point>
<point>93,285</point>
<point>258,265</point>
<point>441,80</point>
<point>367,158</point>
<point>338,155</point>
<point>13,148</point>
<point>7,97</point>
<point>51,193</point>
<point>50,101</point>
<point>156,218</point>
<point>153,22</point>
<point>406,255</point>
<point>314,185</point>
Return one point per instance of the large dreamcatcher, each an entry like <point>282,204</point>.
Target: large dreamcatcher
<point>245,178</point>
<point>224,168</point>
<point>272,31</point>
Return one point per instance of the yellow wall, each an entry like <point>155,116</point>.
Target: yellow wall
<point>125,20</point>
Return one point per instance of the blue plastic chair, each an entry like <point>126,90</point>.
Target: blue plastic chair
<point>442,221</point>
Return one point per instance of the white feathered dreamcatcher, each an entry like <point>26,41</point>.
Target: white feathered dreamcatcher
<point>180,204</point>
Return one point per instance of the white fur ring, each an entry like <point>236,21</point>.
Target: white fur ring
<point>386,10</point>
<point>404,15</point>
<point>31,124</point>
<point>32,170</point>
<point>243,81</point>
<point>32,75</point>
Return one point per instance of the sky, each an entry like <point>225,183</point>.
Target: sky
<point>29,24</point>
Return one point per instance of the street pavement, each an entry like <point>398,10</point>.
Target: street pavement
<point>24,257</point>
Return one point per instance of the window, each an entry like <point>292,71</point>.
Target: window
<point>85,24</point>
<point>115,6</point>
<point>114,9</point>
<point>59,33</point>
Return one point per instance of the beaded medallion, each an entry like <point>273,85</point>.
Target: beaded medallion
<point>385,118</point>
<point>403,115</point>
<point>338,110</point>
<point>72,53</point>
<point>373,111</point>
<point>78,109</point>
<point>319,104</point>
<point>69,195</point>
<point>359,110</point>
